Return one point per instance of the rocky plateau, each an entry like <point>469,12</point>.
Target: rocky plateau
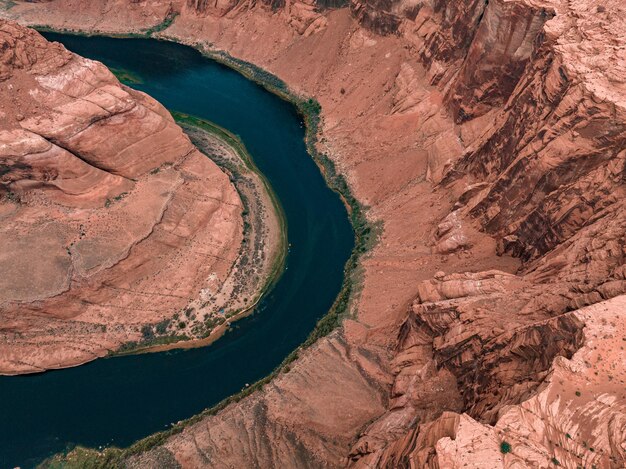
<point>489,137</point>
<point>104,201</point>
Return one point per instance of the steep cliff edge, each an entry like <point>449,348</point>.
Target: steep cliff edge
<point>544,176</point>
<point>102,200</point>
<point>574,419</point>
<point>489,139</point>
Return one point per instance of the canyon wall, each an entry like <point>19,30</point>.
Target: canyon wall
<point>544,176</point>
<point>489,138</point>
<point>103,202</point>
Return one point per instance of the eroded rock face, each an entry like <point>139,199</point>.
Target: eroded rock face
<point>489,138</point>
<point>554,159</point>
<point>545,178</point>
<point>576,419</point>
<point>100,209</point>
<point>475,50</point>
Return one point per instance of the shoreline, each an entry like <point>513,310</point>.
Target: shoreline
<point>366,237</point>
<point>278,245</point>
<point>366,231</point>
<point>276,254</point>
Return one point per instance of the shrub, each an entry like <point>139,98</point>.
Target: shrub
<point>161,327</point>
<point>147,332</point>
<point>505,447</point>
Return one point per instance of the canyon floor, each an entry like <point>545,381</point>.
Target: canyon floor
<point>490,140</point>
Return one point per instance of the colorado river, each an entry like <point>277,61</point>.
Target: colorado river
<point>119,400</point>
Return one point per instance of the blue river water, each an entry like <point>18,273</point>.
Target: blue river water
<point>116,401</point>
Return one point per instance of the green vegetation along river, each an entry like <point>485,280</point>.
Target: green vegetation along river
<point>119,400</point>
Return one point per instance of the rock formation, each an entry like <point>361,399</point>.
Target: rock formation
<point>574,419</point>
<point>490,139</point>
<point>102,200</point>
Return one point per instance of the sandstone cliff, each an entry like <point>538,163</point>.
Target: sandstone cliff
<point>544,177</point>
<point>489,137</point>
<point>574,419</point>
<point>103,202</point>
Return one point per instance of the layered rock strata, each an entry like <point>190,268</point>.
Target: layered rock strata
<point>103,202</point>
<point>574,419</point>
<point>489,139</point>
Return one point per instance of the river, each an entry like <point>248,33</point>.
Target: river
<point>116,401</point>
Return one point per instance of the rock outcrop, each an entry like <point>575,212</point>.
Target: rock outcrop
<point>489,137</point>
<point>545,179</point>
<point>575,419</point>
<point>103,202</point>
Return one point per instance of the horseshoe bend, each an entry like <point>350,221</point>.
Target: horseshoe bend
<point>476,307</point>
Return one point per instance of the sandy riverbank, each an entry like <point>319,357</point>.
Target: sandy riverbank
<point>263,249</point>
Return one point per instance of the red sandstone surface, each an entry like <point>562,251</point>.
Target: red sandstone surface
<point>111,219</point>
<point>490,139</point>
